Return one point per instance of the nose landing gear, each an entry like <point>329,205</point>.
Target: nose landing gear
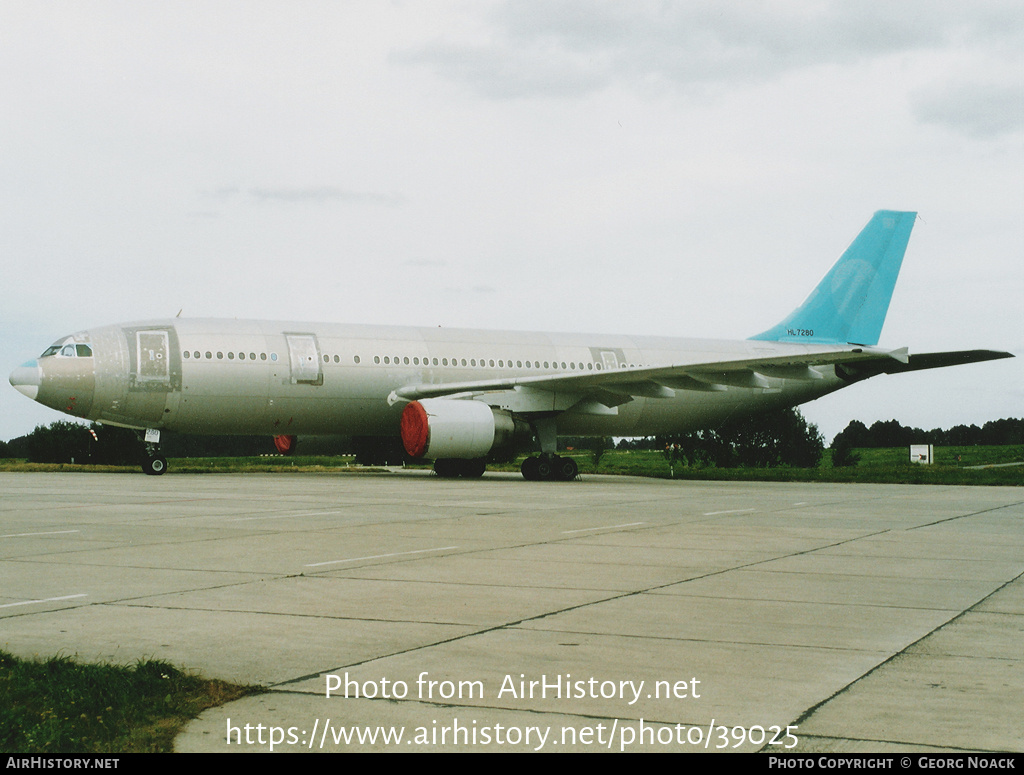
<point>154,463</point>
<point>154,466</point>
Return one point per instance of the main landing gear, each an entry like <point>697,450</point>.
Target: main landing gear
<point>549,468</point>
<point>450,468</point>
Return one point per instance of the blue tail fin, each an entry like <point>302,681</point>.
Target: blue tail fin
<point>850,303</point>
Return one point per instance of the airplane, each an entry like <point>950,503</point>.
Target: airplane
<point>459,397</point>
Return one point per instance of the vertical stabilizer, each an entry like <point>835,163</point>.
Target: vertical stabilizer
<point>850,303</point>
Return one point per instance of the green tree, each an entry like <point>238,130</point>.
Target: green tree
<point>843,454</point>
<point>776,438</point>
<point>116,446</point>
<point>59,442</point>
<point>782,437</point>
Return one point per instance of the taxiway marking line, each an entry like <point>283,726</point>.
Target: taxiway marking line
<point>49,533</point>
<point>284,516</point>
<point>42,600</point>
<point>378,556</point>
<point>606,527</point>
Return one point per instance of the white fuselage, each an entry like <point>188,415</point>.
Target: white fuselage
<point>252,377</point>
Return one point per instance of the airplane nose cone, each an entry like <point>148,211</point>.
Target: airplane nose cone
<point>27,378</point>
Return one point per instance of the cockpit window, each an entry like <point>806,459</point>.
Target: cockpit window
<point>67,348</point>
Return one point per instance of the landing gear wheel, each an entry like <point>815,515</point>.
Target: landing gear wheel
<point>447,468</point>
<point>545,468</point>
<point>549,468</point>
<point>154,466</point>
<point>473,469</point>
<point>529,469</point>
<point>567,469</point>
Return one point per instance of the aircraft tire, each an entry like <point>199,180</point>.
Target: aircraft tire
<point>154,466</point>
<point>529,469</point>
<point>545,469</point>
<point>472,469</point>
<point>447,468</point>
<point>567,469</point>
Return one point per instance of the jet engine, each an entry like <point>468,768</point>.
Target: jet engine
<point>450,428</point>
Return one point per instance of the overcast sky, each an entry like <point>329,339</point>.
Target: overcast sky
<point>682,169</point>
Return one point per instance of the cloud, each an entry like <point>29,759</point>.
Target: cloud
<point>428,263</point>
<point>576,47</point>
<point>476,290</point>
<point>324,194</point>
<point>979,110</point>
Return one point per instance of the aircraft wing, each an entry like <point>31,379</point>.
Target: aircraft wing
<point>621,384</point>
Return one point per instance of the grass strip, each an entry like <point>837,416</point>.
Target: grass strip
<point>59,705</point>
<point>874,466</point>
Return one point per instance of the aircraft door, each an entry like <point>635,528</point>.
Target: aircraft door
<point>154,377</point>
<point>153,357</point>
<point>304,358</point>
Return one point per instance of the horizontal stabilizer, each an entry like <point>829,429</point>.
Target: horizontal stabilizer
<point>919,362</point>
<point>938,360</point>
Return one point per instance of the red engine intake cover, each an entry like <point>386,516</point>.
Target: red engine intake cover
<point>415,429</point>
<point>285,444</point>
